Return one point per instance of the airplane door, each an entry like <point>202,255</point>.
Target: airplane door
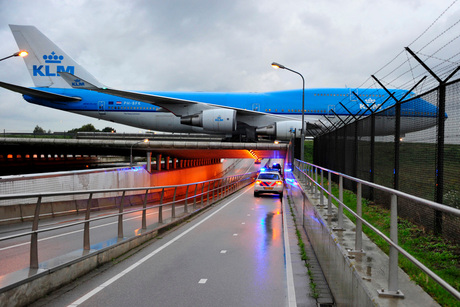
<point>256,107</point>
<point>101,107</point>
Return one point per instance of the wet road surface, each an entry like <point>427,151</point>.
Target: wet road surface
<point>232,255</point>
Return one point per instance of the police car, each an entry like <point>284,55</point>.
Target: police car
<point>269,181</point>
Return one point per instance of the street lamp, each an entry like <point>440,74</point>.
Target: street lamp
<point>21,53</point>
<point>302,133</point>
<point>131,151</point>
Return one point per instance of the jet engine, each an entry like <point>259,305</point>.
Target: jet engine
<point>281,130</point>
<point>218,120</point>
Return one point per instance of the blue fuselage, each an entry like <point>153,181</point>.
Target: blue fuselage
<point>318,102</point>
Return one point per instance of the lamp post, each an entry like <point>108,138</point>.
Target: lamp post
<point>131,151</point>
<point>21,53</point>
<point>302,133</point>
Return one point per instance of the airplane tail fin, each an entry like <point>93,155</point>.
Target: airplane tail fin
<point>46,59</point>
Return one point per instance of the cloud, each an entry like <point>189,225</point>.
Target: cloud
<point>213,45</point>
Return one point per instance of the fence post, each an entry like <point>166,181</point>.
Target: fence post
<point>34,236</point>
<point>194,198</point>
<point>186,196</point>
<point>329,190</point>
<point>393,261</point>
<point>120,216</point>
<point>219,189</point>
<point>207,194</point>
<point>144,210</point>
<point>315,188</point>
<point>340,208</point>
<point>202,193</point>
<point>305,172</point>
<point>86,245</point>
<point>212,191</point>
<point>359,223</point>
<point>321,194</point>
<point>160,209</point>
<point>173,206</point>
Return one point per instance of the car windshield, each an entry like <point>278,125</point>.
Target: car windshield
<point>269,176</point>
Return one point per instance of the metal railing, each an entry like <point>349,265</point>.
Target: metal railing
<point>310,172</point>
<point>205,193</point>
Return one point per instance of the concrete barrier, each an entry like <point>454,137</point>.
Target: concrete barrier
<point>353,278</point>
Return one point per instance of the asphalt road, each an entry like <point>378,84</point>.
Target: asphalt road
<point>232,255</point>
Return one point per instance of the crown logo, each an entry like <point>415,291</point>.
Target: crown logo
<point>53,58</point>
<point>78,82</point>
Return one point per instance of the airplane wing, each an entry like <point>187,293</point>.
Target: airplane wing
<point>177,106</point>
<point>39,94</point>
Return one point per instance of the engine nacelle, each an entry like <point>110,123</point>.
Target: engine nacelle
<point>218,120</point>
<point>282,130</point>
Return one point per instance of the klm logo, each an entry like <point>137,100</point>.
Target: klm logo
<point>219,119</point>
<point>52,70</point>
<point>370,104</point>
<point>78,82</point>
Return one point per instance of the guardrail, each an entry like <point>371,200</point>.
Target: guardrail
<point>204,192</point>
<point>309,173</point>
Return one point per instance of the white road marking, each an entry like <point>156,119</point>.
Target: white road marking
<point>223,251</point>
<point>289,275</point>
<point>202,281</point>
<point>135,265</point>
<point>235,234</point>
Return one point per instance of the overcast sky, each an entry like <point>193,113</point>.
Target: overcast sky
<point>212,45</point>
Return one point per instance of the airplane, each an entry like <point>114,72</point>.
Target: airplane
<point>61,83</point>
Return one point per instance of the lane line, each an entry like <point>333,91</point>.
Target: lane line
<point>287,251</point>
<point>135,265</point>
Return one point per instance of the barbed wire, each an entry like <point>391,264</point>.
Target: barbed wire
<point>405,73</point>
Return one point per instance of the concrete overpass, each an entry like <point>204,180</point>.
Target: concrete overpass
<point>179,149</point>
<point>17,152</point>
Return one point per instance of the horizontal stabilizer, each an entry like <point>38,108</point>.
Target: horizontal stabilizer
<point>79,83</point>
<point>38,94</point>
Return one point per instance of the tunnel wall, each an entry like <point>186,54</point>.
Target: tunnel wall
<point>12,211</point>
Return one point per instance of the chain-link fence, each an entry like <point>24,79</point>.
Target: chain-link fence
<point>424,163</point>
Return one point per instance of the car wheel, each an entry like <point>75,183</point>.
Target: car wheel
<point>256,194</point>
<point>281,195</point>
